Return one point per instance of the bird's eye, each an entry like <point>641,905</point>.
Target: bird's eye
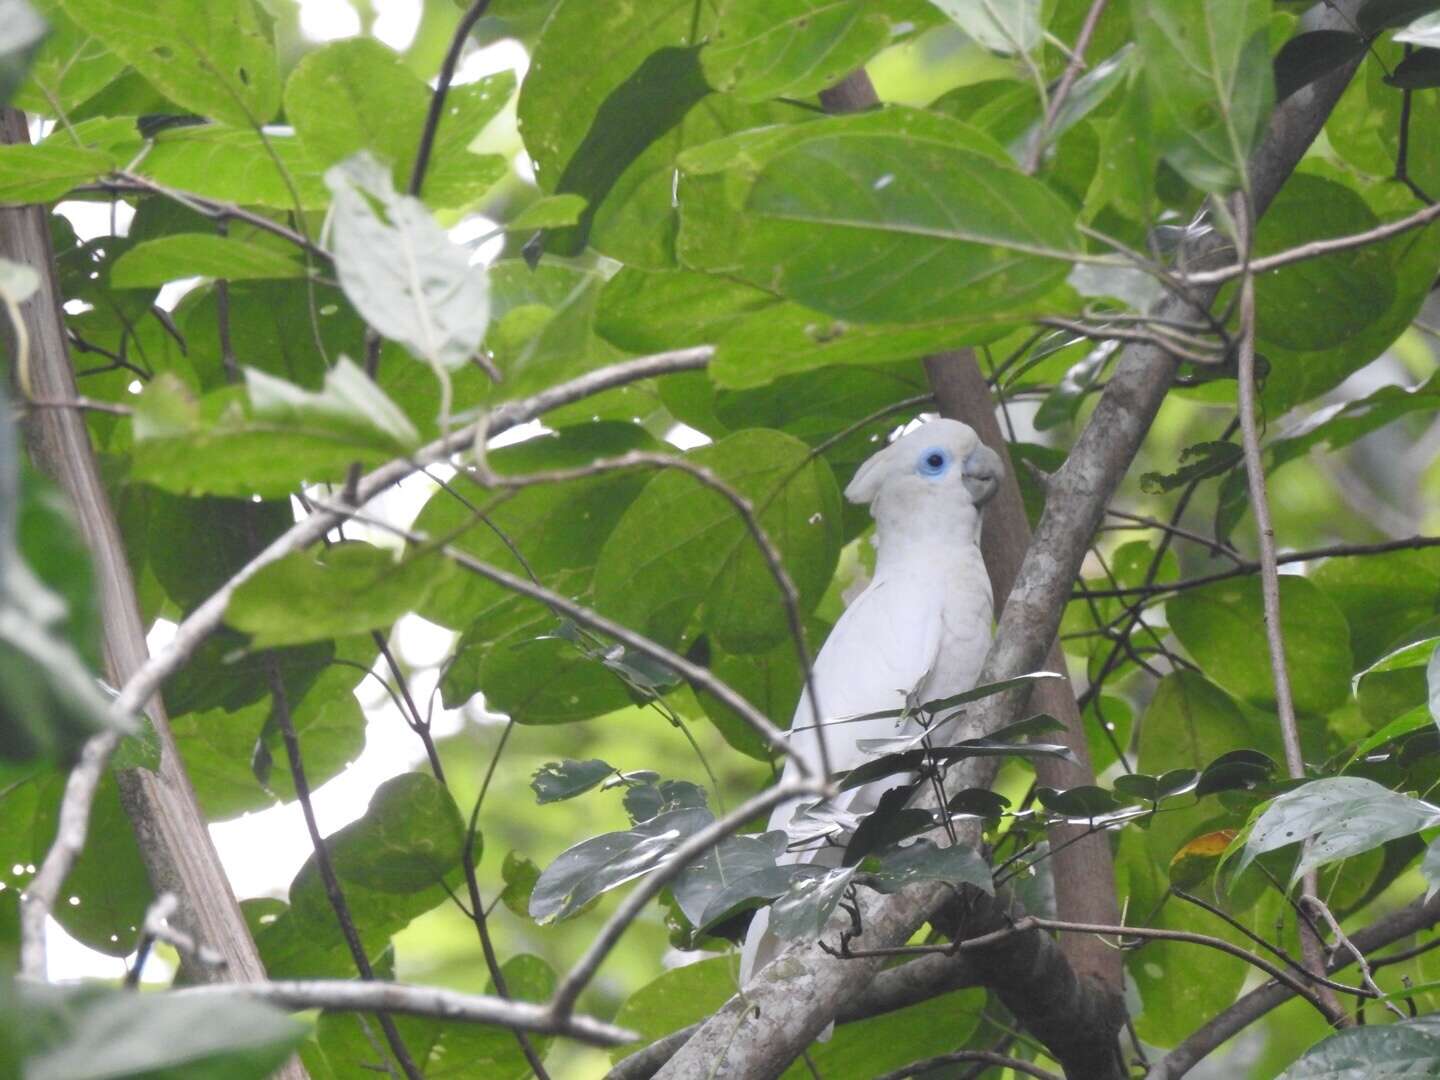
<point>933,462</point>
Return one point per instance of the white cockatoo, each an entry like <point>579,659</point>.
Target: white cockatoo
<point>920,630</point>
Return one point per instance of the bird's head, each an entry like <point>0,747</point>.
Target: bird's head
<point>940,465</point>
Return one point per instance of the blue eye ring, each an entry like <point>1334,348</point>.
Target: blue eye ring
<point>933,462</point>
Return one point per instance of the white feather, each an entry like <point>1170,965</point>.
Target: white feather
<point>921,628</point>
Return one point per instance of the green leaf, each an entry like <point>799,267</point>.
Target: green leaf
<point>762,49</point>
<point>771,681</point>
<point>1154,788</point>
<point>210,58</point>
<point>440,1048</point>
<point>1188,723</point>
<point>91,1032</point>
<point>20,40</point>
<point>1341,816</point>
<point>1423,31</point>
<point>348,588</point>
<point>391,864</point>
<point>908,761</point>
<point>1377,15</point>
<point>1235,770</point>
<point>1083,803</point>
<point>760,337</point>
<point>350,408</point>
<point>1208,68</point>
<point>103,902</point>
<point>649,311</point>
<point>401,271</point>
<point>154,262</point>
<point>1197,462</point>
<point>357,94</point>
<point>1373,1052</point>
<point>1381,596</point>
<point>531,681</point>
<point>519,875</point>
<point>1320,303</point>
<point>70,66</point>
<point>37,174</point>
<point>269,442</point>
<point>237,165</point>
<point>1223,627</point>
<point>50,701</point>
<point>611,131</point>
<point>681,550</point>
<point>536,348</point>
<point>950,221</point>
<point>556,781</point>
<point>220,746</point>
<point>559,528</point>
<point>893,869</point>
<point>812,897</point>
<point>549,212</point>
<point>1419,71</point>
<point>675,999</point>
<point>712,876</point>
<point>1010,27</point>
<point>605,862</point>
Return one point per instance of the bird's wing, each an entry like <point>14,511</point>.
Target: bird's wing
<point>883,647</point>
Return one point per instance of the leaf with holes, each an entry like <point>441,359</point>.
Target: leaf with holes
<point>212,58</point>
<point>1341,816</point>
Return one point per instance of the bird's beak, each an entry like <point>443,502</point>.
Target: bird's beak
<point>981,471</point>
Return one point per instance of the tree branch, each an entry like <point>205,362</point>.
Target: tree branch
<point>894,988</point>
<point>343,995</point>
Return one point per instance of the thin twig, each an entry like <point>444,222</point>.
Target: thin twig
<point>280,704</point>
<point>1312,948</point>
<point>84,404</point>
<point>1034,922</point>
<point>1215,546</point>
<point>476,911</point>
<point>1275,950</point>
<point>344,995</point>
<point>442,87</point>
<point>1066,84</point>
<point>1318,907</point>
<point>1317,248</point>
<point>1248,567</point>
<point>210,208</point>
